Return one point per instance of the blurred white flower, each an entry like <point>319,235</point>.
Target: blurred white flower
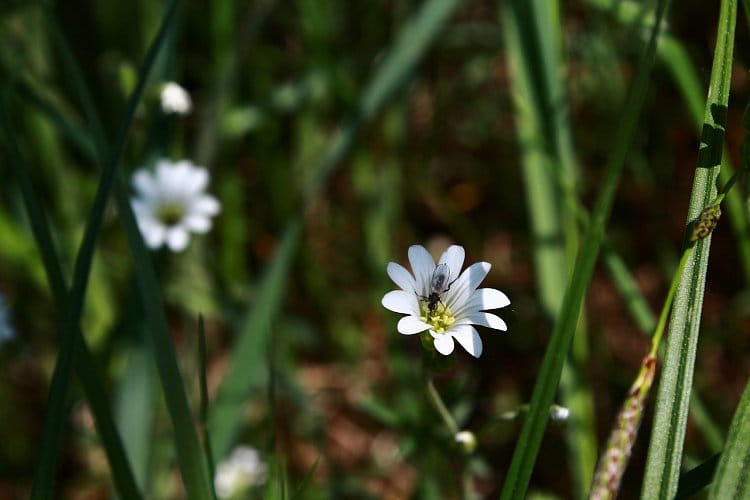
<point>171,202</point>
<point>243,469</point>
<point>175,99</point>
<point>439,300</point>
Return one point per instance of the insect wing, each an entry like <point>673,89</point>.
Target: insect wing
<point>440,277</point>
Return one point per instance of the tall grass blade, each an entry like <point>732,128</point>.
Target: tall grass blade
<point>673,396</point>
<point>732,478</point>
<point>529,442</point>
<point>189,455</point>
<point>549,170</point>
<point>88,373</point>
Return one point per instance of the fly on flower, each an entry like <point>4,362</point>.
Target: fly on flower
<point>440,277</point>
<point>444,308</point>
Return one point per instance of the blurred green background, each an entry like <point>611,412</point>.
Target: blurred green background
<point>440,163</point>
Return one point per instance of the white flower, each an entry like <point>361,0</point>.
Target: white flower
<point>171,202</point>
<point>241,470</point>
<point>175,99</point>
<point>439,300</point>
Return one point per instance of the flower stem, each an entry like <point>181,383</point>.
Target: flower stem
<point>440,406</point>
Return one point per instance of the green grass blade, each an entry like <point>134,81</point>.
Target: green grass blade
<point>190,457</point>
<point>88,374</point>
<point>549,170</point>
<point>676,59</point>
<point>203,412</point>
<point>673,397</point>
<point>136,404</point>
<point>247,365</point>
<point>732,478</point>
<point>529,442</point>
<point>55,414</point>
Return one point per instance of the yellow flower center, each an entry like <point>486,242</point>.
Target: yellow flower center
<point>170,212</point>
<point>440,319</point>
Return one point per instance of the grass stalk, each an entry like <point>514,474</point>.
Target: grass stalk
<point>533,41</point>
<point>89,375</point>
<point>673,397</point>
<point>530,439</point>
<point>190,458</point>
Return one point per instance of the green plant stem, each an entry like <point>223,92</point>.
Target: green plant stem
<point>437,401</point>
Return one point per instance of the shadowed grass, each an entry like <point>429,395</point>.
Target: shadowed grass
<point>189,455</point>
<point>88,374</point>
<point>56,415</point>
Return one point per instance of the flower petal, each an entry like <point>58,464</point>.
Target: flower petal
<point>197,223</point>
<point>444,344</point>
<point>467,336</point>
<point>206,205</point>
<point>483,319</point>
<point>196,181</point>
<point>143,182</point>
<point>177,239</point>
<point>454,257</point>
<point>153,234</point>
<point>423,265</point>
<point>481,300</point>
<point>409,325</point>
<point>401,302</point>
<point>462,290</point>
<point>401,277</point>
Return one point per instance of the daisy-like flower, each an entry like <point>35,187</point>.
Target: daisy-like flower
<point>243,469</point>
<point>171,203</point>
<point>175,99</point>
<point>439,300</point>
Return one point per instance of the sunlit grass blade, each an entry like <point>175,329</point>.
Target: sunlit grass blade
<point>675,56</point>
<point>88,374</point>
<point>549,170</point>
<point>189,455</point>
<point>529,442</point>
<point>673,397</point>
<point>732,478</point>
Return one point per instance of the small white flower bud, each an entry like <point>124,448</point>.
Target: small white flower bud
<point>175,99</point>
<point>559,413</point>
<point>467,441</point>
